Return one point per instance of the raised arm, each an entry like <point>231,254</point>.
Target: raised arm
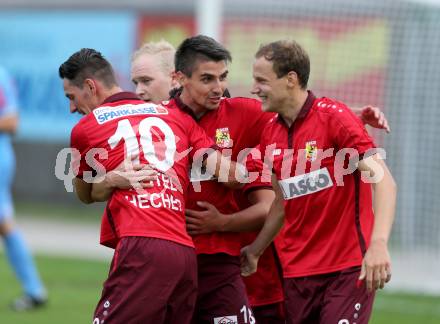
<point>373,117</point>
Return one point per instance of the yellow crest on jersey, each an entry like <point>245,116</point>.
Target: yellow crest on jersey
<point>223,138</point>
<point>311,151</point>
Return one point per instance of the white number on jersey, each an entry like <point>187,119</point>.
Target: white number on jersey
<point>125,131</point>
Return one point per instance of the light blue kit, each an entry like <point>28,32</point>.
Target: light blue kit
<point>8,106</point>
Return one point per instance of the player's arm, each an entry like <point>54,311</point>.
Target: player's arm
<point>372,116</point>
<point>229,173</point>
<point>8,105</point>
<point>83,190</point>
<point>79,143</point>
<point>101,191</point>
<point>274,221</point>
<point>376,266</point>
<point>125,176</point>
<point>9,123</point>
<point>86,192</point>
<point>247,220</point>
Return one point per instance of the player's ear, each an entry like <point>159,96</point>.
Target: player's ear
<point>180,77</point>
<point>174,81</point>
<point>292,79</point>
<point>91,86</point>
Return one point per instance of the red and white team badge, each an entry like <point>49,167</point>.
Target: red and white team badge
<point>223,137</point>
<point>311,151</point>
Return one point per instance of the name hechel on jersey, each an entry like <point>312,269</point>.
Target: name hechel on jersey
<point>124,125</point>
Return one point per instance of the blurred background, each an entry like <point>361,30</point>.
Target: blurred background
<point>383,53</point>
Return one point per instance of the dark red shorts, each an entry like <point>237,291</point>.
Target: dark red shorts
<point>222,295</point>
<point>328,298</point>
<point>270,314</point>
<point>150,281</point>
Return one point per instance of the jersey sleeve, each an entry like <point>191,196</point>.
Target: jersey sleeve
<point>8,95</point>
<point>255,165</point>
<point>79,143</point>
<point>347,131</point>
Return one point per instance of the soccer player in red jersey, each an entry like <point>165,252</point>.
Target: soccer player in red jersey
<point>147,78</point>
<point>201,70</point>
<point>333,245</point>
<point>153,273</point>
<point>152,67</point>
<point>235,124</point>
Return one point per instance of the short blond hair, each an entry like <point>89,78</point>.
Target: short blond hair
<point>163,49</point>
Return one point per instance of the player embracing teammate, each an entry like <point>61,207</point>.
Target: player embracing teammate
<point>333,239</point>
<point>235,124</point>
<point>153,276</point>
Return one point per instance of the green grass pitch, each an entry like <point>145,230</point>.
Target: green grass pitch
<point>75,286</point>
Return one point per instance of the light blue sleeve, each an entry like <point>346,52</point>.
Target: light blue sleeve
<point>8,95</point>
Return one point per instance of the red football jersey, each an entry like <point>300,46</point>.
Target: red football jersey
<point>124,125</point>
<point>329,215</point>
<point>237,124</point>
<point>265,286</point>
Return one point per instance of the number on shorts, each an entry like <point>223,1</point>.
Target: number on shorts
<point>248,317</point>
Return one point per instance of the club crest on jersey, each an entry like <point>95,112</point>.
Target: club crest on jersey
<point>311,151</point>
<point>223,138</point>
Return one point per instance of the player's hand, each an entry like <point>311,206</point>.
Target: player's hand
<point>131,175</point>
<point>374,117</point>
<point>137,177</point>
<point>376,266</point>
<point>206,221</point>
<point>248,260</point>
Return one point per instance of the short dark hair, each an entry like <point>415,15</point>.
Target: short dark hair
<point>87,63</point>
<point>199,47</point>
<point>287,56</point>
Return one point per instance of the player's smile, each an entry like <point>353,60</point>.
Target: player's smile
<point>215,100</point>
<point>203,90</point>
